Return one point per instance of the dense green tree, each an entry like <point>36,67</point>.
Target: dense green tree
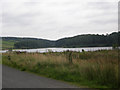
<point>87,40</point>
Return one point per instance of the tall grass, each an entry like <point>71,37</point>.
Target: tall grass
<point>95,69</point>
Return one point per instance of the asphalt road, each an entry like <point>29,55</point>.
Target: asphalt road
<point>0,76</point>
<point>13,78</point>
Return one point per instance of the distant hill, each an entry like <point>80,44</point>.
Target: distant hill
<point>89,40</point>
<point>23,43</point>
<point>86,40</point>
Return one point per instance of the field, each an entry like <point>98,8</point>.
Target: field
<point>97,69</point>
<point>7,44</point>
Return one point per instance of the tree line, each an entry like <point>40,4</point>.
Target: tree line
<point>85,40</point>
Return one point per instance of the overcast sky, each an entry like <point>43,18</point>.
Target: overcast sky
<point>55,19</point>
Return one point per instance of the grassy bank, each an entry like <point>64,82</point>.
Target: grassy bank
<point>98,69</point>
<point>7,44</point>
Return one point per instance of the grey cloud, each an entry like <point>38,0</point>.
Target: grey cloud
<point>102,5</point>
<point>10,20</point>
<point>32,3</point>
<point>104,22</point>
<point>54,19</point>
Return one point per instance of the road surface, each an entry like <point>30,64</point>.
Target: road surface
<point>13,78</point>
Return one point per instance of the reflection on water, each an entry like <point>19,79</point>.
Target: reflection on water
<point>42,50</point>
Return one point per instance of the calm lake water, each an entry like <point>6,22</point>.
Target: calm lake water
<point>42,50</point>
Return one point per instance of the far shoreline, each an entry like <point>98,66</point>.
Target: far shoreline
<point>57,49</point>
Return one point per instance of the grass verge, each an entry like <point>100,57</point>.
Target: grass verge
<point>98,69</point>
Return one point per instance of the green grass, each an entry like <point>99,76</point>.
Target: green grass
<point>0,58</point>
<point>98,69</point>
<point>7,44</point>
